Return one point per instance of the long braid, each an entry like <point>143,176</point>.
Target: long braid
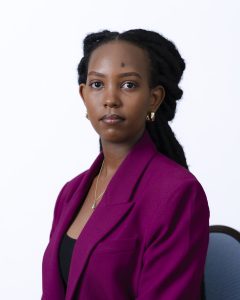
<point>166,69</point>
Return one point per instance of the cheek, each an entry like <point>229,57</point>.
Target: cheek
<point>92,104</point>
<point>138,105</point>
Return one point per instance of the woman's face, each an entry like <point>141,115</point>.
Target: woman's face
<point>118,83</point>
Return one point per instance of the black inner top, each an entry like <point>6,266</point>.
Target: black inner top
<point>65,255</point>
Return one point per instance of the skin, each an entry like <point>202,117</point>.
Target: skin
<point>130,96</point>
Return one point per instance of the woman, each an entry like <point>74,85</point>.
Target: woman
<point>135,224</point>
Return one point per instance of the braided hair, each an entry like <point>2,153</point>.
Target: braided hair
<point>166,69</point>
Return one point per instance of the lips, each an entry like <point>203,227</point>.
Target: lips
<point>112,117</point>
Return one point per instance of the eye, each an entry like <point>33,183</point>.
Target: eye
<point>129,85</point>
<point>95,84</point>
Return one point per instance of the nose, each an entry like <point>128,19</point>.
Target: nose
<point>111,98</point>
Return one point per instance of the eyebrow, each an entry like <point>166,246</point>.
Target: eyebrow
<point>120,75</point>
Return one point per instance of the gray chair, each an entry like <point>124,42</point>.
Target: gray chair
<point>222,269</point>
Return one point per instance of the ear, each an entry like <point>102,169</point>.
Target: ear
<point>157,97</point>
<point>82,89</point>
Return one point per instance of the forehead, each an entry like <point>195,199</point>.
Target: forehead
<point>119,55</point>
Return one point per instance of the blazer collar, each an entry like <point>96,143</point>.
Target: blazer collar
<point>115,203</point>
<point>122,184</point>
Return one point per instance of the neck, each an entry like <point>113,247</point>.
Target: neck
<point>114,154</point>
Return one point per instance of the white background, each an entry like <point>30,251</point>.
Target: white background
<point>46,139</point>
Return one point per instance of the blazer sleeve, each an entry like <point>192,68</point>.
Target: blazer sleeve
<point>174,257</point>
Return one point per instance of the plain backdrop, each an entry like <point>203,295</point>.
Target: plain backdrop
<point>46,139</point>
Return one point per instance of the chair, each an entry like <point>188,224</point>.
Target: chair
<point>222,268</point>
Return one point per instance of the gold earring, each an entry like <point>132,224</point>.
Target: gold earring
<point>151,117</point>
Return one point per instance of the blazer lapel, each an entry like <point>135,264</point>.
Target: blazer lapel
<point>115,204</point>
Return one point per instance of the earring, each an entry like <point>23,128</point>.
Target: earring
<point>151,117</point>
<point>87,115</point>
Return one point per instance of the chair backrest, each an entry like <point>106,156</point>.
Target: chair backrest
<point>222,269</point>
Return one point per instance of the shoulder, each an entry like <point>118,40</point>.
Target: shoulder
<point>67,190</point>
<point>176,197</point>
<point>64,196</point>
<point>169,175</point>
<point>71,185</point>
<point>168,185</point>
<point>76,180</point>
<point>163,164</point>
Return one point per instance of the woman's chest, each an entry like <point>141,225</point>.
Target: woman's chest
<point>82,215</point>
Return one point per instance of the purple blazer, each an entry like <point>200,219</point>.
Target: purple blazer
<point>146,240</point>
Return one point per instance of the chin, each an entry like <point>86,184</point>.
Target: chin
<point>119,137</point>
<point>113,137</point>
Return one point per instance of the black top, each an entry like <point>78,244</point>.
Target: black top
<point>65,254</point>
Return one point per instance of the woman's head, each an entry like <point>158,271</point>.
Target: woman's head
<point>118,83</point>
<point>159,64</point>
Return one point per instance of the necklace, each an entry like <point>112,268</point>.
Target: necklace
<point>95,200</point>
